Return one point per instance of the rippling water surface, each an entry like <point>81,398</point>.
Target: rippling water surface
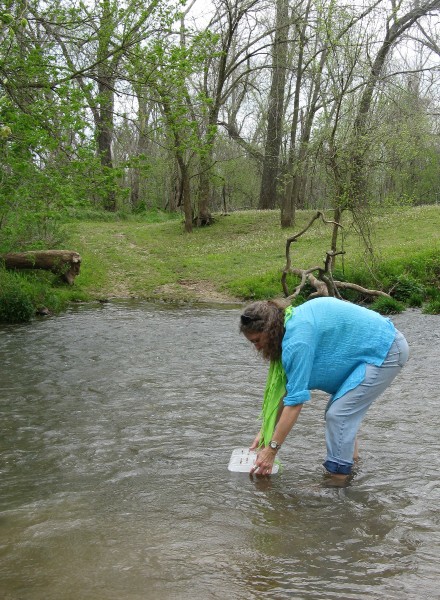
<point>117,427</point>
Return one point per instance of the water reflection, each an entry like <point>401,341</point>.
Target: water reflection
<point>117,427</point>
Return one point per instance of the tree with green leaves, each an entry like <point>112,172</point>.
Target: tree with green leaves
<point>353,179</point>
<point>84,47</point>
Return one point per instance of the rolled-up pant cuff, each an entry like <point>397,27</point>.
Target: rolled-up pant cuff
<point>334,467</point>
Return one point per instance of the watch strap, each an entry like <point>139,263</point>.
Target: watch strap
<point>274,445</point>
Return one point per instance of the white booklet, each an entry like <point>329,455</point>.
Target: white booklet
<point>242,460</point>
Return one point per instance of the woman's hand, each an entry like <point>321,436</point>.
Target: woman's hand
<point>264,462</point>
<point>256,442</point>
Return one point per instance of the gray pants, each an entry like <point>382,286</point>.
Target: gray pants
<point>345,414</point>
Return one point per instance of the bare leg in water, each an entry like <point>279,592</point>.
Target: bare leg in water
<point>356,451</point>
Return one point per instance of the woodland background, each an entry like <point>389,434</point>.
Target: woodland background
<point>205,106</point>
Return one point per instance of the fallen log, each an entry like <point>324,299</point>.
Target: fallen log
<point>64,263</point>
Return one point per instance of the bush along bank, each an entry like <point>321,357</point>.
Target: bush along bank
<point>24,296</point>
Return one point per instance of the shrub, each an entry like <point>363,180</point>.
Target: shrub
<point>405,288</point>
<point>24,294</point>
<point>16,305</point>
<point>387,306</point>
<point>432,308</point>
<point>415,301</point>
<point>31,232</point>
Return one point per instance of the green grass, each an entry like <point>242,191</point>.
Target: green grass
<point>243,255</point>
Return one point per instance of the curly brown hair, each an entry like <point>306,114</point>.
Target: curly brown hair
<point>265,317</point>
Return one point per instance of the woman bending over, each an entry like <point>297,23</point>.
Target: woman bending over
<point>348,351</point>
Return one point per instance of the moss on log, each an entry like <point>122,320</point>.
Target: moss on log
<point>65,263</point>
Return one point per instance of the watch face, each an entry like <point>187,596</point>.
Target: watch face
<point>273,445</point>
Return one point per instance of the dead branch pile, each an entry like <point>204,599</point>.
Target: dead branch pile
<point>320,278</point>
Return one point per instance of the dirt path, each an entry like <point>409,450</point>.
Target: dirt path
<point>197,291</point>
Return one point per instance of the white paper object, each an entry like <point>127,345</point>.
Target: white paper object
<point>242,460</point>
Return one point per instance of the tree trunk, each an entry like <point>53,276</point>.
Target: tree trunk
<point>141,149</point>
<point>186,193</point>
<point>269,180</point>
<point>294,176</point>
<point>337,217</point>
<point>104,134</point>
<point>174,195</point>
<point>104,116</point>
<point>204,216</point>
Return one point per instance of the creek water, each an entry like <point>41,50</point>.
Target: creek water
<point>117,427</point>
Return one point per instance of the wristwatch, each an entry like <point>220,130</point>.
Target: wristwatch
<point>274,445</point>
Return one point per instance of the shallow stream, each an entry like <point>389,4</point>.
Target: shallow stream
<point>117,427</point>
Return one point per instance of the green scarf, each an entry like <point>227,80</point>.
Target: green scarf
<point>274,392</point>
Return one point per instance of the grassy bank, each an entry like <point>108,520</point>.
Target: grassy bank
<point>242,256</point>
